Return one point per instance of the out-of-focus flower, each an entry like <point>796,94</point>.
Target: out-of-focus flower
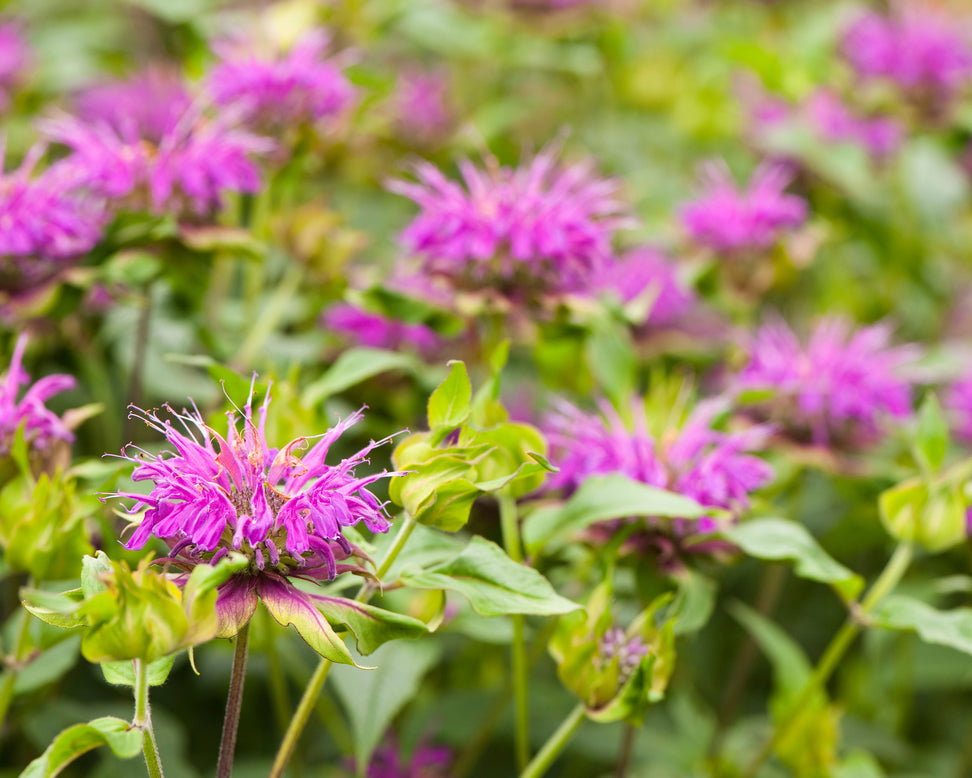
<point>835,390</point>
<point>277,88</point>
<point>15,54</point>
<point>377,331</point>
<point>285,513</point>
<point>185,173</point>
<point>46,222</point>
<point>958,400</point>
<point>542,227</point>
<point>421,105</point>
<point>714,468</point>
<point>921,50</point>
<point>628,651</point>
<point>834,122</point>
<point>730,220</point>
<point>645,272</point>
<point>41,426</point>
<point>426,761</point>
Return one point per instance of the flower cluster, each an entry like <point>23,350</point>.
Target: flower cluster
<point>41,426</point>
<point>836,389</point>
<point>14,56</point>
<point>282,89</point>
<point>540,227</point>
<point>835,123</point>
<point>426,761</point>
<point>731,220</point>
<point>646,273</point>
<point>377,331</point>
<point>628,651</point>
<point>421,105</point>
<point>915,47</point>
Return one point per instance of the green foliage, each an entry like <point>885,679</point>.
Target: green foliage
<point>124,741</point>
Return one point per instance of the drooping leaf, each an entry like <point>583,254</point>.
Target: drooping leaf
<point>124,741</point>
<point>778,539</point>
<point>947,628</point>
<point>493,583</point>
<point>370,625</point>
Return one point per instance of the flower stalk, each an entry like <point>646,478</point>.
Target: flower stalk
<point>555,744</point>
<point>234,703</point>
<point>511,540</point>
<point>143,721</point>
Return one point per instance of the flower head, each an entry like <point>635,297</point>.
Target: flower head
<point>15,54</point>
<point>542,226</point>
<point>958,400</point>
<point>282,88</point>
<point>917,48</point>
<point>421,105</point>
<point>377,331</point>
<point>629,651</point>
<point>646,272</point>
<point>836,389</point>
<point>46,222</point>
<point>728,219</point>
<point>835,123</point>
<point>426,761</point>
<point>41,426</point>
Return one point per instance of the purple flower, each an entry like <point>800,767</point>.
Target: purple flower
<point>628,651</point>
<point>285,513</point>
<point>15,54</point>
<point>958,400</point>
<point>834,122</point>
<point>645,272</point>
<point>421,105</point>
<point>46,222</point>
<point>377,331</point>
<point>184,173</point>
<point>712,467</point>
<point>427,761</point>
<point>41,426</point>
<point>540,227</point>
<point>727,219</point>
<point>283,88</point>
<point>837,388</point>
<point>920,50</point>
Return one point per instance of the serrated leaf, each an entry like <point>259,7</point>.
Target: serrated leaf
<point>601,498</point>
<point>777,539</point>
<point>493,583</point>
<point>124,741</point>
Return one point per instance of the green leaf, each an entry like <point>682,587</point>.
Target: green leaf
<point>124,741</point>
<point>451,402</point>
<point>694,601</point>
<point>123,673</point>
<point>59,609</point>
<point>601,498</point>
<point>778,539</point>
<point>371,700</point>
<point>352,367</point>
<point>493,583</point>
<point>371,626</point>
<point>931,441</point>
<point>946,628</point>
<point>49,665</point>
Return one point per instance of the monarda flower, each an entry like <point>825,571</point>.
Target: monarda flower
<point>925,53</point>
<point>835,123</point>
<point>837,389</point>
<point>15,54</point>
<point>280,88</point>
<point>712,467</point>
<point>163,157</point>
<point>958,400</point>
<point>425,761</point>
<point>730,220</point>
<point>372,329</point>
<point>285,513</point>
<point>46,222</point>
<point>647,274</point>
<point>539,228</point>
<point>42,428</point>
<point>421,105</point>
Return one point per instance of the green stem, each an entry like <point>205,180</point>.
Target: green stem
<point>10,680</point>
<point>234,704</point>
<point>276,307</point>
<point>316,683</point>
<point>552,748</point>
<point>143,721</point>
<point>886,581</point>
<point>511,539</point>
<point>299,720</point>
<point>627,748</point>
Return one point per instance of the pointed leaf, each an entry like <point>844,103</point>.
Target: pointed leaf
<point>493,583</point>
<point>931,441</point>
<point>123,673</point>
<point>451,402</point>
<point>371,626</point>
<point>946,628</point>
<point>352,367</point>
<point>124,741</point>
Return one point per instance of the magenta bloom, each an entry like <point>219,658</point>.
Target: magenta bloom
<point>284,512</point>
<point>628,651</point>
<point>47,222</point>
<point>421,105</point>
<point>958,400</point>
<point>377,331</point>
<point>41,426</point>
<point>645,272</point>
<point>918,48</point>
<point>283,89</point>
<point>728,219</point>
<point>540,227</point>
<point>714,468</point>
<point>836,389</point>
<point>15,54</point>
<point>834,122</point>
<point>426,761</point>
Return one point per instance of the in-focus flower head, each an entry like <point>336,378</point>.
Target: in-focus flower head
<point>186,173</point>
<point>377,331</point>
<point>712,467</point>
<point>728,219</point>
<point>280,88</point>
<point>835,390</point>
<point>645,272</point>
<point>917,47</point>
<point>15,54</point>
<point>41,426</point>
<point>46,222</point>
<point>542,226</point>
